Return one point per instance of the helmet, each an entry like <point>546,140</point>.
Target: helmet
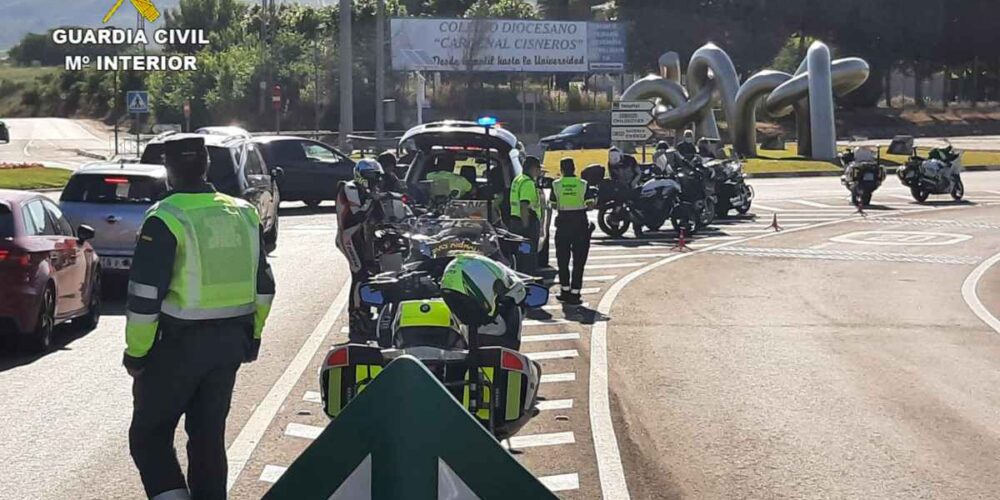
<point>368,173</point>
<point>662,146</point>
<point>472,286</point>
<point>614,156</point>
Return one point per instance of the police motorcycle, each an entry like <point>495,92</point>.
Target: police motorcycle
<point>696,208</point>
<point>473,351</point>
<point>647,204</point>
<point>863,174</point>
<point>731,188</point>
<point>939,173</point>
<point>390,211</point>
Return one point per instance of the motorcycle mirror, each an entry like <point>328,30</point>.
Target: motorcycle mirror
<point>370,296</point>
<point>536,297</point>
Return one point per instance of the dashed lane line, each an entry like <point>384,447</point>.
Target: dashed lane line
<point>614,266</point>
<point>607,277</point>
<point>813,204</point>
<point>544,355</point>
<point>559,306</point>
<point>545,322</point>
<point>537,440</point>
<point>824,254</point>
<point>554,378</point>
<point>303,431</point>
<point>555,404</point>
<point>550,337</point>
<point>312,397</point>
<point>627,256</point>
<point>561,482</point>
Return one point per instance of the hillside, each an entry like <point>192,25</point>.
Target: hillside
<point>21,17</point>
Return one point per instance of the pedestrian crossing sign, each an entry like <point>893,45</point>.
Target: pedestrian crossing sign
<point>137,101</point>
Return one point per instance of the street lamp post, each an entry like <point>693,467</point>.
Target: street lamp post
<point>346,75</point>
<point>379,74</point>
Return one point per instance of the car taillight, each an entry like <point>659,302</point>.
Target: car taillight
<point>115,180</point>
<point>511,361</point>
<point>17,258</point>
<point>337,358</point>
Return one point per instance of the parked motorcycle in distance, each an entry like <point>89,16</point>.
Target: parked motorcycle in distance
<point>696,209</point>
<point>731,187</point>
<point>648,206</point>
<point>939,173</point>
<point>863,174</point>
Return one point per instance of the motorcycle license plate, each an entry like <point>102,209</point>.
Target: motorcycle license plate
<point>119,263</point>
<point>868,176</point>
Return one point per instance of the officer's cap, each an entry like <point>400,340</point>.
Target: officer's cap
<point>567,164</point>
<point>188,149</point>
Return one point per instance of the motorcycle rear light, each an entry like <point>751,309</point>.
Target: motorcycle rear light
<point>21,259</point>
<point>511,361</point>
<point>337,358</point>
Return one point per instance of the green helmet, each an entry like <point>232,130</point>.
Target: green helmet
<point>473,286</point>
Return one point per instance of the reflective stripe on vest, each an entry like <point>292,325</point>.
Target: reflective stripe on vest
<point>517,195</point>
<point>218,247</point>
<point>570,194</point>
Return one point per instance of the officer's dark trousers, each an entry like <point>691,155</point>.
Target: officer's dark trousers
<point>190,371</point>
<point>572,242</point>
<point>527,264</point>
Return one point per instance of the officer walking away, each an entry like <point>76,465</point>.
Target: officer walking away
<point>199,293</point>
<point>571,199</point>
<point>355,215</point>
<point>525,208</point>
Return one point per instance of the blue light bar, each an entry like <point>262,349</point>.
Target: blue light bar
<point>486,121</point>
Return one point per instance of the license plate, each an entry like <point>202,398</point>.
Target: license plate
<point>868,176</point>
<point>116,262</point>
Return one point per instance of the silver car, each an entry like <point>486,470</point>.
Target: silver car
<point>113,198</point>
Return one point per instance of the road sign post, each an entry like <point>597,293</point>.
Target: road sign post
<point>631,120</point>
<point>187,115</point>
<point>276,104</point>
<point>137,104</point>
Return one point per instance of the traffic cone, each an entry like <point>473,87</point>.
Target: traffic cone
<point>774,224</point>
<point>681,245</point>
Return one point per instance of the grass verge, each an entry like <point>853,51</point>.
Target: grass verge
<point>33,178</point>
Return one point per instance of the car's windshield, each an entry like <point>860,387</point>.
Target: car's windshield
<point>573,129</point>
<point>6,222</point>
<point>107,188</point>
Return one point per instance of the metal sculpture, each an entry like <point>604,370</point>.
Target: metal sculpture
<point>713,81</point>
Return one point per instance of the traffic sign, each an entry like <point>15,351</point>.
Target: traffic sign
<point>276,97</point>
<point>631,134</point>
<point>137,101</point>
<point>630,118</point>
<point>405,436</point>
<point>646,106</point>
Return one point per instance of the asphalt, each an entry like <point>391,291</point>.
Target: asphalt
<point>55,142</point>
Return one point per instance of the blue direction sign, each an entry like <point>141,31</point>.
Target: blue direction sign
<point>137,101</point>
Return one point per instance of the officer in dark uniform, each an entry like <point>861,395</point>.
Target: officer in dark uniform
<point>199,292</point>
<point>571,198</point>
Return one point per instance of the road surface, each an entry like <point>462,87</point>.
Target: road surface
<point>784,364</point>
<point>54,141</point>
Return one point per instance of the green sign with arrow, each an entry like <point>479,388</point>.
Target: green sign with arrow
<point>405,436</point>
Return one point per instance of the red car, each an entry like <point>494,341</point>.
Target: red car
<point>49,273</point>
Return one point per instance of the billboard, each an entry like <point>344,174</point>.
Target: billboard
<point>497,45</point>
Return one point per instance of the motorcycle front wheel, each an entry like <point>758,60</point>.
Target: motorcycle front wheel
<point>748,195</point>
<point>613,221</point>
<point>707,215</point>
<point>920,194</point>
<point>958,190</point>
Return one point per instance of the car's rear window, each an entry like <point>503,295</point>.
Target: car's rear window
<point>222,170</point>
<point>153,154</point>
<point>6,222</point>
<point>100,188</point>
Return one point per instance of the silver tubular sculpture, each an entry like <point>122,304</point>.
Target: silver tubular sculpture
<point>713,81</point>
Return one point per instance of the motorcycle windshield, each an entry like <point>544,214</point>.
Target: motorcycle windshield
<point>437,238</point>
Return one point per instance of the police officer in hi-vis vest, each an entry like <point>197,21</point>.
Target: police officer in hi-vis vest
<point>571,199</point>
<point>199,292</point>
<point>525,210</point>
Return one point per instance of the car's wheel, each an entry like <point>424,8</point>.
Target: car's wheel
<point>313,204</point>
<point>919,194</point>
<point>958,190</point>
<point>271,237</point>
<point>40,340</point>
<point>89,321</point>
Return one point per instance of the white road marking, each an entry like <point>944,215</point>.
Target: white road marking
<point>345,330</point>
<point>544,355</point>
<point>562,482</point>
<point>536,440</point>
<point>608,277</point>
<point>627,256</point>
<point>583,291</point>
<point>272,473</point>
<point>555,404</point>
<point>550,337</point>
<point>971,296</point>
<point>821,245</point>
<point>558,306</point>
<point>246,441</point>
<point>553,378</point>
<point>544,322</point>
<point>813,204</point>
<point>819,254</point>
<point>303,431</point>
<point>609,464</point>
<point>614,266</point>
<point>312,397</point>
<point>766,208</point>
<point>901,238</point>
